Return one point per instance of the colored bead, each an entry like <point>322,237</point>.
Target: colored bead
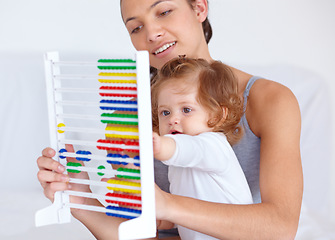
<point>60,125</point>
<point>62,151</point>
<point>81,152</point>
<point>101,167</point>
<point>73,164</point>
<point>127,60</point>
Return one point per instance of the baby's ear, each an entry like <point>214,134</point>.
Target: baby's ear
<point>224,116</point>
<point>224,113</point>
<point>215,122</point>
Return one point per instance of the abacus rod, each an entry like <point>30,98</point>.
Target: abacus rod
<point>92,77</point>
<point>104,171</point>
<point>94,117</point>
<point>94,90</point>
<point>94,64</point>
<point>103,184</point>
<point>101,197</point>
<point>96,130</point>
<point>94,104</point>
<point>88,143</point>
<point>89,169</point>
<point>100,209</point>
<point>99,158</point>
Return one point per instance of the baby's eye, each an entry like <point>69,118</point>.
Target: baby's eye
<point>187,110</point>
<point>137,29</point>
<point>165,113</point>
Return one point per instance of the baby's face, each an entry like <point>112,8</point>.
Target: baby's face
<point>179,112</point>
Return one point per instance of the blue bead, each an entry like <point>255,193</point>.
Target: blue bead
<point>61,151</point>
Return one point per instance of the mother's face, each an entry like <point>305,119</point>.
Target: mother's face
<point>165,28</point>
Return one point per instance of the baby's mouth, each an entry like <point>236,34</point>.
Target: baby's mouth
<point>175,132</point>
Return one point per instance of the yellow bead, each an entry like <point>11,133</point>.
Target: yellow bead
<point>60,125</point>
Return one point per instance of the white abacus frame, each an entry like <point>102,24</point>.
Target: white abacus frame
<point>143,226</point>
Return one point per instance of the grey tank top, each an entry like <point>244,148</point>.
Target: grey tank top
<point>247,151</point>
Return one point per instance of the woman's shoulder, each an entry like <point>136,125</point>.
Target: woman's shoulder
<point>265,89</point>
<point>261,88</point>
<point>270,101</point>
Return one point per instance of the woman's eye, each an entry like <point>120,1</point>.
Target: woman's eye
<point>165,13</point>
<point>165,113</point>
<point>137,29</point>
<point>187,110</point>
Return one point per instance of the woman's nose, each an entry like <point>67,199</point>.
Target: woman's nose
<point>154,32</point>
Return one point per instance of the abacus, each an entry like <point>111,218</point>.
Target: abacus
<point>106,116</point>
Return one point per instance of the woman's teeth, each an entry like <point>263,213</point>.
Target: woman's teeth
<point>163,48</point>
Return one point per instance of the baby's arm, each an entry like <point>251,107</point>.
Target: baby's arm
<point>164,147</point>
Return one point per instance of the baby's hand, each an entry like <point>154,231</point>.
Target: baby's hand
<point>156,141</point>
<point>163,146</point>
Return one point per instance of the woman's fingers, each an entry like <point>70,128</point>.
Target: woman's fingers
<point>47,163</point>
<point>50,170</point>
<point>48,152</point>
<point>51,188</point>
<point>46,176</point>
<point>53,178</point>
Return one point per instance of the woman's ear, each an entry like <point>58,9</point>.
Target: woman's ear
<point>201,9</point>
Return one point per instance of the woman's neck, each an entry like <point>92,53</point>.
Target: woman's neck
<point>242,78</point>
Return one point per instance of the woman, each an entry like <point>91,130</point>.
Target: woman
<point>269,152</point>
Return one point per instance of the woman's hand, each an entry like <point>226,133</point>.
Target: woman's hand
<point>53,178</point>
<point>162,204</point>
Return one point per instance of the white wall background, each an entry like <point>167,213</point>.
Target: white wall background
<point>271,34</point>
<point>249,34</point>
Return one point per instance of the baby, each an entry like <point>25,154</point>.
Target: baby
<point>196,110</point>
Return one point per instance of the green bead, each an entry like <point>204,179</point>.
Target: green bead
<point>116,60</point>
<point>117,67</point>
<point>120,122</point>
<point>101,167</point>
<point>73,164</point>
<point>128,177</point>
<point>118,115</point>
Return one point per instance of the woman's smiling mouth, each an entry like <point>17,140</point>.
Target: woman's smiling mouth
<point>164,47</point>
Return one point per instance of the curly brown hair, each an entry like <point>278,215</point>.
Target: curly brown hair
<point>217,90</point>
